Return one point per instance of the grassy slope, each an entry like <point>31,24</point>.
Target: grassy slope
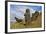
<point>34,24</point>
<point>37,23</point>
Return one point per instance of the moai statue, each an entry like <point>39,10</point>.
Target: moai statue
<point>27,16</point>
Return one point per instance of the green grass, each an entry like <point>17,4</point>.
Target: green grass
<point>17,25</point>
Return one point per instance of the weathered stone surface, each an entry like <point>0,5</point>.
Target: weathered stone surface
<point>27,16</point>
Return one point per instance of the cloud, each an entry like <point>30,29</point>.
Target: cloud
<point>18,11</point>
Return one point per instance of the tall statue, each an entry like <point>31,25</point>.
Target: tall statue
<point>27,16</point>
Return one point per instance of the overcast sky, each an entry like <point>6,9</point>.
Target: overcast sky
<point>19,10</point>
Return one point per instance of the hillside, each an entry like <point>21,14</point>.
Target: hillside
<point>35,23</point>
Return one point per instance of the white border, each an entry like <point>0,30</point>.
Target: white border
<point>26,29</point>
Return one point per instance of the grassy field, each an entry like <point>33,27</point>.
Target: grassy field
<point>34,24</point>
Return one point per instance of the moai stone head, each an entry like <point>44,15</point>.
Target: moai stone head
<point>27,10</point>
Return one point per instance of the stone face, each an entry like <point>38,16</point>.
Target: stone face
<point>27,16</point>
